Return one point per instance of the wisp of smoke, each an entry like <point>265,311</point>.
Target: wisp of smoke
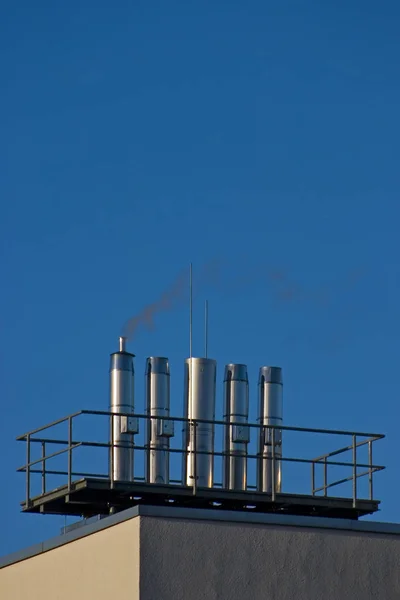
<point>284,289</point>
<point>171,297</point>
<point>166,302</point>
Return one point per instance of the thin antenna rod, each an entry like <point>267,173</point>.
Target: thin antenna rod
<point>206,328</point>
<point>190,309</point>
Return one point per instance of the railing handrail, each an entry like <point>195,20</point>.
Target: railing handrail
<point>347,448</point>
<point>77,444</point>
<point>205,421</point>
<point>71,444</point>
<point>44,458</point>
<point>23,438</point>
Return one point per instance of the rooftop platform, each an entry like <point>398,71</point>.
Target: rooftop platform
<point>60,479</point>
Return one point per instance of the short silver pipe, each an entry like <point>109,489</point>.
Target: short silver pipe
<point>122,401</point>
<point>236,436</point>
<point>270,390</point>
<point>159,430</point>
<point>199,403</point>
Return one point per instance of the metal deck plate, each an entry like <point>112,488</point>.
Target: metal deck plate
<point>88,497</point>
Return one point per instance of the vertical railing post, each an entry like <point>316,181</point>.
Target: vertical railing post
<point>69,453</point>
<point>273,464</point>
<point>371,489</point>
<point>312,479</point>
<point>112,453</point>
<point>194,464</point>
<point>354,471</point>
<point>28,471</point>
<point>43,467</point>
<point>325,477</point>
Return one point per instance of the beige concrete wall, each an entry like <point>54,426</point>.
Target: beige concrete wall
<point>193,560</point>
<point>187,559</point>
<point>101,566</point>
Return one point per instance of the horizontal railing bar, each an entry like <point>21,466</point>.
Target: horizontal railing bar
<point>378,436</point>
<point>252,456</point>
<point>329,485</point>
<point>179,481</point>
<point>22,438</point>
<point>345,449</point>
<point>253,425</point>
<point>50,441</point>
<point>332,463</point>
<point>73,474</point>
<point>206,453</point>
<point>198,452</point>
<point>104,445</point>
<point>340,481</point>
<point>184,451</point>
<point>86,474</point>
<point>81,443</point>
<point>372,436</point>
<point>116,445</point>
<point>44,458</point>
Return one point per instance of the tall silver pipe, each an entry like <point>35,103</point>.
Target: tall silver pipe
<point>158,430</point>
<point>270,387</point>
<point>236,437</point>
<point>121,401</point>
<point>199,403</point>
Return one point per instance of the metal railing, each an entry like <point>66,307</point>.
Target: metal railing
<point>370,468</point>
<point>39,466</point>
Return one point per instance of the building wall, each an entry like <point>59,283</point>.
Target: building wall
<point>192,560</point>
<point>101,566</point>
<point>191,554</point>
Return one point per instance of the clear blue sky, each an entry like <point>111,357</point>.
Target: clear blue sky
<point>140,136</point>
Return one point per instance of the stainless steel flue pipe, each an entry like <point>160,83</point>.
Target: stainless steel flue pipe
<point>199,403</point>
<point>159,430</point>
<point>236,436</point>
<point>269,467</point>
<point>123,428</point>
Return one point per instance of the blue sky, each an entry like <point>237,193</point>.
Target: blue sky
<point>259,136</point>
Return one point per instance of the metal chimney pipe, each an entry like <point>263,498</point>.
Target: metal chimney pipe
<point>199,403</point>
<point>270,387</point>
<point>236,437</point>
<point>121,401</point>
<point>122,344</point>
<point>158,430</point>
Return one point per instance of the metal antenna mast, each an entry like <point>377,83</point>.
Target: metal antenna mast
<point>206,328</point>
<point>190,309</point>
